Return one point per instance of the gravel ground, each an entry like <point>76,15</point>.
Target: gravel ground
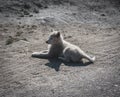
<point>93,25</point>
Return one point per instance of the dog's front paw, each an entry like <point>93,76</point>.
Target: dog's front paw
<point>35,54</point>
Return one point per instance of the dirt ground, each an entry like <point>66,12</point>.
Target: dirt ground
<point>93,25</point>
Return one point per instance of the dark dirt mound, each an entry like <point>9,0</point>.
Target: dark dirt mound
<point>25,7</point>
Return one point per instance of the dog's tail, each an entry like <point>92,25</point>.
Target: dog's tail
<point>93,59</point>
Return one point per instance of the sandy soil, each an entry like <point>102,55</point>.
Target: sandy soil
<point>93,25</point>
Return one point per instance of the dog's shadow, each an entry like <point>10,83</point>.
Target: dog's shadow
<point>56,63</point>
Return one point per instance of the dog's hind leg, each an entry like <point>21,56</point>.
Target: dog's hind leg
<point>64,59</point>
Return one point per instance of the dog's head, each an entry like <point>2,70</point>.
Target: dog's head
<point>54,38</point>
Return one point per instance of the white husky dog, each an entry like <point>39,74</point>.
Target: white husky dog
<point>62,49</point>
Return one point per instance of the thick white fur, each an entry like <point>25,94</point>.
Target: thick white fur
<point>62,49</point>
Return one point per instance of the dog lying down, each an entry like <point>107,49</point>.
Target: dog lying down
<point>63,50</point>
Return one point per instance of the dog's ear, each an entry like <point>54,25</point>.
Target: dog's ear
<point>52,30</point>
<point>58,34</point>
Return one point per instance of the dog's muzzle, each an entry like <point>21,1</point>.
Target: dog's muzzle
<point>47,42</point>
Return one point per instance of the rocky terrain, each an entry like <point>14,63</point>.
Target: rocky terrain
<point>93,25</point>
